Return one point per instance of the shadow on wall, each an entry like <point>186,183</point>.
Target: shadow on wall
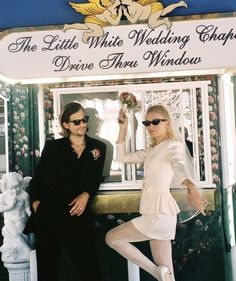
<point>94,128</point>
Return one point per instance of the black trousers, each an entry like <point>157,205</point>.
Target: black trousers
<point>78,241</point>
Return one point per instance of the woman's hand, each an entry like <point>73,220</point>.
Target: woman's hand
<point>79,204</point>
<point>194,197</point>
<point>122,118</point>
<point>120,12</point>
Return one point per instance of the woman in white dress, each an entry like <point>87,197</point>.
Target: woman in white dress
<point>158,209</point>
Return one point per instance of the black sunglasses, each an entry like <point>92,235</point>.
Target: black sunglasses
<point>78,121</point>
<point>154,122</point>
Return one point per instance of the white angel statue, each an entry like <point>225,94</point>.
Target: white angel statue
<point>15,206</point>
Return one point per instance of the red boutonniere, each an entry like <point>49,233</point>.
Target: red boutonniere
<point>96,153</point>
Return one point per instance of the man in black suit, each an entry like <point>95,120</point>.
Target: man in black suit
<point>65,181</point>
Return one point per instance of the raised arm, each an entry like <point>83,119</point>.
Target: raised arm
<point>123,122</point>
<point>113,21</point>
<point>122,156</point>
<point>135,17</point>
<point>27,203</point>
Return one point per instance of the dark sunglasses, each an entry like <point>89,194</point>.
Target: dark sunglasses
<point>154,122</point>
<point>78,121</point>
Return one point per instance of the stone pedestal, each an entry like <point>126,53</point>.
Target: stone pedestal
<point>18,271</point>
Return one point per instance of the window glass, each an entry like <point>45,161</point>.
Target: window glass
<point>188,103</point>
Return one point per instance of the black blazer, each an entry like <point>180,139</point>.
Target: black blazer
<point>60,176</point>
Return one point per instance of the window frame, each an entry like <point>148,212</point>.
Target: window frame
<point>134,183</point>
<point>5,134</point>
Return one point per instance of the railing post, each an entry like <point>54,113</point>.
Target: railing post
<point>133,272</point>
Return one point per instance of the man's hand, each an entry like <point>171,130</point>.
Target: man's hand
<point>35,205</point>
<point>79,204</point>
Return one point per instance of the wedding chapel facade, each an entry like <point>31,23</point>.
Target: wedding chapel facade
<point>190,67</point>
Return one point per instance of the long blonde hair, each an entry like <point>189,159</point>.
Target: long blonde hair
<point>159,108</point>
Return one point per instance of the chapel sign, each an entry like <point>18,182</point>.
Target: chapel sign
<point>123,49</point>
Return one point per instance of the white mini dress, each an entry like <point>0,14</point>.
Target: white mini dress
<point>158,208</point>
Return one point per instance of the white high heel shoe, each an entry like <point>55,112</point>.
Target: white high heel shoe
<point>162,273</point>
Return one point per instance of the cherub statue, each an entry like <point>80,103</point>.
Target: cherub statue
<point>15,206</point>
<point>98,15</point>
<point>150,10</point>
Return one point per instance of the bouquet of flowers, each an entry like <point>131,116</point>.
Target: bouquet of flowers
<point>128,100</point>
